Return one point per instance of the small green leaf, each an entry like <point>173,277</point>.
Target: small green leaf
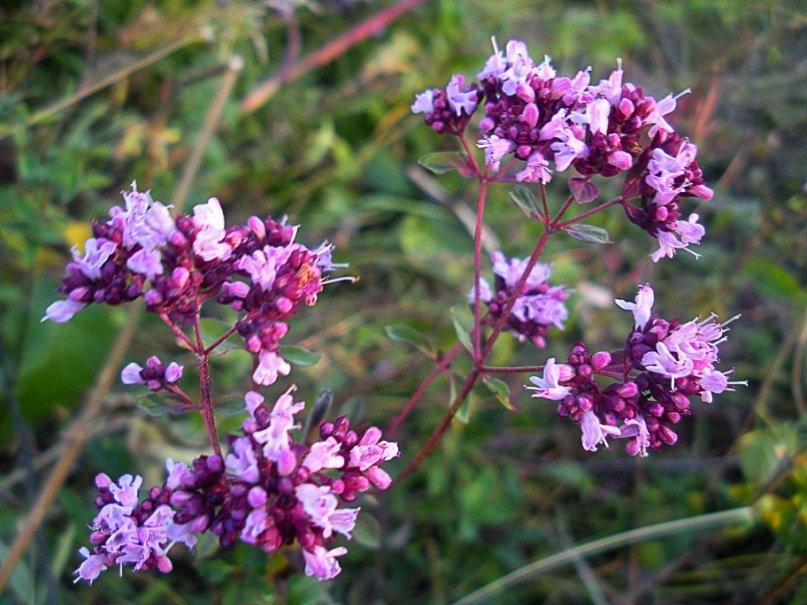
<point>463,413</point>
<point>367,531</point>
<point>409,335</point>
<point>526,201</point>
<point>159,404</point>
<point>230,405</point>
<point>583,190</point>
<point>501,391</point>
<point>299,356</point>
<point>588,233</point>
<point>462,333</point>
<point>441,162</point>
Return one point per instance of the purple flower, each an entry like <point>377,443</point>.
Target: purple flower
<point>595,432</point>
<point>321,506</point>
<point>461,99</point>
<point>495,149</point>
<point>63,310</point>
<point>549,386</point>
<point>91,568</point>
<point>270,365</point>
<point>208,243</point>
<point>641,308</point>
<point>324,454</point>
<point>424,102</point>
<point>322,563</point>
<point>536,171</point>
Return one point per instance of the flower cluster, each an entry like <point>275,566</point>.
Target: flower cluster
<point>156,375</point>
<point>127,531</point>
<point>537,306</point>
<point>177,264</point>
<point>649,385</point>
<point>269,491</point>
<point>545,122</point>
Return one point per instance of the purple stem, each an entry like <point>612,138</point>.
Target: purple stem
<point>205,391</point>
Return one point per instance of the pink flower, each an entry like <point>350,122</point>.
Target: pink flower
<point>125,492</point>
<point>321,505</point>
<point>322,563</point>
<point>370,451</point>
<point>548,386</point>
<point>270,364</point>
<point>424,102</point>
<point>594,432</point>
<point>536,171</point>
<point>62,310</point>
<point>459,99</point>
<point>495,149</point>
<point>208,242</point>
<point>324,454</point>
<point>91,568</point>
<point>642,307</point>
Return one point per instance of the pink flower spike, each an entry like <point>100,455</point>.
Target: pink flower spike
<point>642,307</point>
<point>548,386</point>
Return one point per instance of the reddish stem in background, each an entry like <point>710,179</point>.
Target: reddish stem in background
<point>205,391</point>
<point>325,54</point>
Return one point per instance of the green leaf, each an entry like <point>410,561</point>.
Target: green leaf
<point>299,356</point>
<point>583,190</point>
<point>230,405</point>
<point>159,404</point>
<point>501,391</point>
<point>588,233</point>
<point>463,414</point>
<point>462,333</point>
<point>440,162</point>
<point>367,531</point>
<point>764,453</point>
<point>526,201</point>
<point>407,334</point>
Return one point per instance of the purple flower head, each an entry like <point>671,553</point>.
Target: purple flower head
<point>536,308</point>
<point>641,394</point>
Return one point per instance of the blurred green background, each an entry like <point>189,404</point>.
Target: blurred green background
<point>336,150</point>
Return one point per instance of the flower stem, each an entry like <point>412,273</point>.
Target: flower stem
<point>440,367</point>
<point>502,320</point>
<point>220,340</point>
<point>181,336</point>
<point>480,213</point>
<point>205,391</point>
